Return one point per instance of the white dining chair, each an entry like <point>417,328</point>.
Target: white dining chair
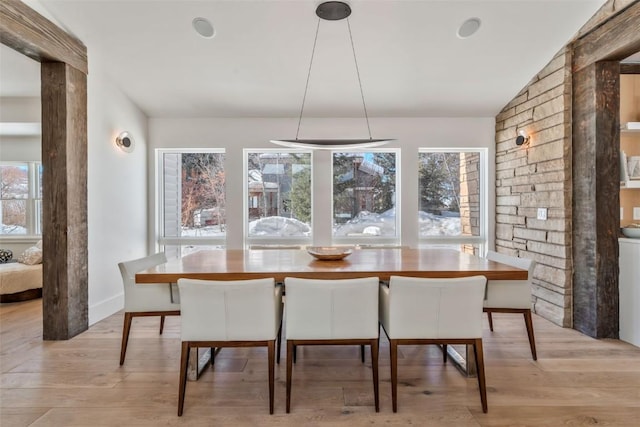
<point>238,313</point>
<point>332,312</point>
<point>512,296</point>
<point>417,311</point>
<point>145,300</point>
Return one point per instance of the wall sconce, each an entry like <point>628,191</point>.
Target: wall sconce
<point>522,138</point>
<point>125,142</point>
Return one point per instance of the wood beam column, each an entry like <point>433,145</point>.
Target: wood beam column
<point>64,201</point>
<point>596,198</point>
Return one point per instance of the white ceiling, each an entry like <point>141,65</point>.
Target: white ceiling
<point>411,62</point>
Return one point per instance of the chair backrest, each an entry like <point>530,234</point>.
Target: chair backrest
<point>435,308</point>
<point>331,309</point>
<point>510,293</point>
<point>147,297</point>
<point>128,269</point>
<point>523,263</point>
<point>238,310</point>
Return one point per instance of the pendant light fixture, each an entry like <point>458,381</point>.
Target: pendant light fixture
<point>332,11</point>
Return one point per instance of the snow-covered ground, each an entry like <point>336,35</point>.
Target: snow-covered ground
<point>365,224</point>
<point>12,229</point>
<point>384,224</point>
<point>278,226</point>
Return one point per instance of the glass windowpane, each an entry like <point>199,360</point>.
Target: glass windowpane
<point>364,194</point>
<point>14,217</point>
<point>449,194</point>
<point>279,194</point>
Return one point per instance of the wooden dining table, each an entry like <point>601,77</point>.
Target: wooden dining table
<point>238,264</point>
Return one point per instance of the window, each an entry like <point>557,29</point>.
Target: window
<point>21,198</point>
<point>192,200</point>
<point>452,197</point>
<point>364,196</point>
<point>278,196</point>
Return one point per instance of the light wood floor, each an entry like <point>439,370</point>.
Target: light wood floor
<point>576,381</point>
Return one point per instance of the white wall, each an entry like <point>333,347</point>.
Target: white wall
<point>236,134</point>
<point>20,110</point>
<point>117,190</point>
<point>19,149</point>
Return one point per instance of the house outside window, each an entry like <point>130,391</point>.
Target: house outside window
<point>453,198</point>
<point>21,198</point>
<point>192,200</point>
<point>278,197</point>
<point>365,193</point>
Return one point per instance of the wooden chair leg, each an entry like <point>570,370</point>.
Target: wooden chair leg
<point>290,356</point>
<point>477,349</point>
<point>126,327</point>
<point>295,352</point>
<point>362,353</point>
<point>161,324</point>
<point>532,340</point>
<point>444,353</point>
<point>374,366</point>
<point>393,350</point>
<point>272,351</point>
<point>490,321</point>
<point>279,344</point>
<point>182,388</point>
<point>213,356</point>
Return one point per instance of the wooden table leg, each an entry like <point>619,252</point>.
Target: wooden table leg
<point>197,362</point>
<point>465,362</point>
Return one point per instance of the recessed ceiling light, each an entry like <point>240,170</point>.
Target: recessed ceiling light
<point>469,28</point>
<point>203,27</point>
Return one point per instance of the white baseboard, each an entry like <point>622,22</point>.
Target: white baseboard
<point>105,308</point>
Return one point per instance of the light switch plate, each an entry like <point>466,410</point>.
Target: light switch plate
<point>542,214</point>
<point>636,213</point>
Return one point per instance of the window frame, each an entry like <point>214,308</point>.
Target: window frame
<point>362,241</point>
<point>33,208</point>
<point>482,238</point>
<point>275,241</point>
<point>160,239</point>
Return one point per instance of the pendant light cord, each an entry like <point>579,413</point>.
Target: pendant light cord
<point>306,87</point>
<point>364,106</point>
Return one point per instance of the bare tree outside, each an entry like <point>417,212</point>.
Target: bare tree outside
<point>14,197</point>
<point>203,189</point>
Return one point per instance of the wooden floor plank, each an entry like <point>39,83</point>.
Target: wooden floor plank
<point>576,381</point>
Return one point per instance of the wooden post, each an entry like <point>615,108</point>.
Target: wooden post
<point>64,201</point>
<point>596,198</point>
<point>64,162</point>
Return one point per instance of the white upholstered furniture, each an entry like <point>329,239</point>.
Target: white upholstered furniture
<point>239,313</point>
<point>20,282</point>
<point>332,312</point>
<point>433,311</point>
<point>511,296</point>
<point>147,299</point>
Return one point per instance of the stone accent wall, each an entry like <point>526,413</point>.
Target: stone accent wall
<point>470,198</point>
<point>538,175</point>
